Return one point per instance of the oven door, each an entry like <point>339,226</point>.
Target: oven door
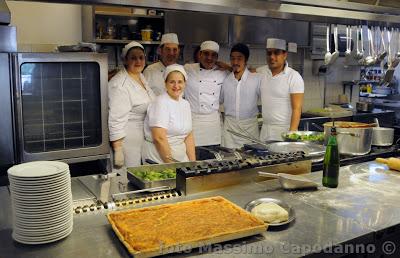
<point>61,105</point>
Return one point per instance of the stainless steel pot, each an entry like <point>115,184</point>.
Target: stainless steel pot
<point>382,136</point>
<point>351,141</point>
<point>364,106</point>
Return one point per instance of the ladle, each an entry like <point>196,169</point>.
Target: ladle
<point>370,59</point>
<point>348,41</point>
<point>384,53</point>
<point>335,54</point>
<point>360,54</point>
<point>328,54</point>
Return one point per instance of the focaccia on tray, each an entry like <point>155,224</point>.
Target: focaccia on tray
<point>167,228</point>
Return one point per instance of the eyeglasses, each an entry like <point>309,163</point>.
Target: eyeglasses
<point>275,52</point>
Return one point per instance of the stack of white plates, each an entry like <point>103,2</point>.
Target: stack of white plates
<point>41,201</point>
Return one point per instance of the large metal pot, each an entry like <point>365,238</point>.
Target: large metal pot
<point>351,141</point>
<point>364,106</point>
<point>382,136</point>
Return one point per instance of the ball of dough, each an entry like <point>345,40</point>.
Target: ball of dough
<point>270,213</point>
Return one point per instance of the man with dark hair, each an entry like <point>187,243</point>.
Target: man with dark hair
<point>239,95</point>
<point>282,93</point>
<point>169,53</point>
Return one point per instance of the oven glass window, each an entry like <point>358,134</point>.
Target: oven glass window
<point>61,106</point>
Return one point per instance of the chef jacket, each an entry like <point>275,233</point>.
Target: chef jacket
<point>240,97</point>
<point>203,88</point>
<point>154,76</point>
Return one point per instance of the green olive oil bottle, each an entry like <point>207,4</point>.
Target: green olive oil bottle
<point>330,177</point>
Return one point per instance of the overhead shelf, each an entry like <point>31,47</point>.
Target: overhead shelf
<point>132,15</point>
<point>125,41</point>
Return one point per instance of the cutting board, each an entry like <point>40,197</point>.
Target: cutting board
<point>182,226</point>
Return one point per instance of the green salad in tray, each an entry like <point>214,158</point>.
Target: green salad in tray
<point>303,136</point>
<point>168,173</point>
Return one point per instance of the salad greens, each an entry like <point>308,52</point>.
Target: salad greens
<point>151,175</point>
<point>304,137</point>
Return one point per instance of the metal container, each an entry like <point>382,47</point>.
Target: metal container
<point>351,141</point>
<point>144,184</point>
<point>382,136</point>
<point>364,106</point>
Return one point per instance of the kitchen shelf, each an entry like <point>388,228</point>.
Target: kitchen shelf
<point>125,41</point>
<point>130,15</point>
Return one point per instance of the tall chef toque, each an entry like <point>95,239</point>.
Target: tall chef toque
<point>132,44</point>
<point>169,38</point>
<point>276,43</point>
<point>175,67</point>
<point>209,45</point>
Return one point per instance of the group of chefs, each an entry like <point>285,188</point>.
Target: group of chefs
<point>162,112</point>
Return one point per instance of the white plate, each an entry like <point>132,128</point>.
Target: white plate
<point>249,206</point>
<point>37,169</point>
<point>38,204</point>
<point>40,196</point>
<point>29,224</point>
<point>36,178</point>
<point>34,241</point>
<point>42,221</point>
<point>40,183</point>
<point>43,213</point>
<point>40,188</point>
<point>42,231</point>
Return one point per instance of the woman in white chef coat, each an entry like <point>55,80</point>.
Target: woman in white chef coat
<point>129,96</point>
<point>168,123</point>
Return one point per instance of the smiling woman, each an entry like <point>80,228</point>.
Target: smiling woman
<point>168,124</point>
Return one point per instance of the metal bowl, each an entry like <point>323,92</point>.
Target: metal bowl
<point>286,136</point>
<point>251,205</point>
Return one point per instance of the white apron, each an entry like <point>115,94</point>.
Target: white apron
<point>273,132</point>
<point>247,127</point>
<point>178,150</point>
<point>133,143</point>
<point>206,128</point>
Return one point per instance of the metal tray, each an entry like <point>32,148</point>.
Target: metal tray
<point>310,149</point>
<point>292,215</point>
<point>143,184</point>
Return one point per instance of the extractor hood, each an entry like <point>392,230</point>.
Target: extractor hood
<point>5,15</point>
<point>351,12</point>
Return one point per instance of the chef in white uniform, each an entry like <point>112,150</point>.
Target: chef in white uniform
<point>239,95</point>
<point>282,93</point>
<point>203,90</point>
<point>169,54</point>
<point>168,124</point>
<point>129,96</point>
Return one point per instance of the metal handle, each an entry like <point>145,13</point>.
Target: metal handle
<point>247,138</point>
<point>154,189</point>
<point>317,126</point>
<point>266,174</point>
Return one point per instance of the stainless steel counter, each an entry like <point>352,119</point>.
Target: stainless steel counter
<point>365,209</point>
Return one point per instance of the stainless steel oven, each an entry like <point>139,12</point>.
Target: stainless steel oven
<point>54,107</point>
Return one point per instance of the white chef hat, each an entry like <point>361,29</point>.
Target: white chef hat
<point>173,68</point>
<point>169,38</point>
<point>209,45</point>
<point>276,43</point>
<point>129,46</point>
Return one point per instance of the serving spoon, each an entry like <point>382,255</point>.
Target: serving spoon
<point>328,54</point>
<point>335,54</point>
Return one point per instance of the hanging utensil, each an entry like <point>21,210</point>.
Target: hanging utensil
<point>396,58</point>
<point>390,71</point>
<point>335,54</point>
<point>328,54</point>
<point>383,53</point>
<point>370,59</point>
<point>348,41</point>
